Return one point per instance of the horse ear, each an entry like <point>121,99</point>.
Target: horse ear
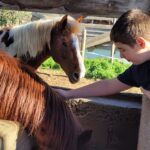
<point>63,22</point>
<point>79,19</point>
<point>84,137</point>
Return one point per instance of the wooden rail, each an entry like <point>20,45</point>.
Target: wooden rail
<point>98,40</point>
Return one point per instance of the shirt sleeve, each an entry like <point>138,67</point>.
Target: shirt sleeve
<point>127,77</point>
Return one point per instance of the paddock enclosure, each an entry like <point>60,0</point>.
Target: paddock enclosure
<point>114,120</point>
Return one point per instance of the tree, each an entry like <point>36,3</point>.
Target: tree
<point>11,17</point>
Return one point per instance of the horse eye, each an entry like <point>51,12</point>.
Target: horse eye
<point>64,44</point>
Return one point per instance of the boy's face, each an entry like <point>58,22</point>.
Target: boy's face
<point>134,54</point>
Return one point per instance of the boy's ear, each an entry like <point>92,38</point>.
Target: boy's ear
<point>141,42</point>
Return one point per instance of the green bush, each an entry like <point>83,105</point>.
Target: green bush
<point>98,68</point>
<point>50,63</point>
<point>102,68</point>
<point>12,17</point>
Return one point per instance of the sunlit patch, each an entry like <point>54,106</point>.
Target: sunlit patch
<point>75,43</point>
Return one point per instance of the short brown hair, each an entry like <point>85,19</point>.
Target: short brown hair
<point>132,24</point>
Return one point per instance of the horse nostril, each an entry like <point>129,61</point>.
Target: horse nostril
<point>76,76</point>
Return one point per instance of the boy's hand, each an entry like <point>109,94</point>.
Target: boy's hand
<point>146,92</point>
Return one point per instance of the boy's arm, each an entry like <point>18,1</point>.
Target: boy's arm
<point>100,88</point>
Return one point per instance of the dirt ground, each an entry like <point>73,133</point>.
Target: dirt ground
<point>58,78</point>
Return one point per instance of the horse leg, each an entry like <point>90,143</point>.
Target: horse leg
<point>8,134</point>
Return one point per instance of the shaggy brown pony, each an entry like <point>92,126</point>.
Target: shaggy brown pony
<point>26,98</point>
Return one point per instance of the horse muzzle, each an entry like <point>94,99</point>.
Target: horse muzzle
<point>74,77</point>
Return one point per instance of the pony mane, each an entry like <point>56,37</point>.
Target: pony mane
<point>26,98</point>
<point>33,36</point>
<point>15,95</point>
<point>36,34</point>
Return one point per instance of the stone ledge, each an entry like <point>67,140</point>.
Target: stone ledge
<point>114,120</point>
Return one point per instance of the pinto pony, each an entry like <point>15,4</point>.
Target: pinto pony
<point>34,42</point>
<point>26,98</point>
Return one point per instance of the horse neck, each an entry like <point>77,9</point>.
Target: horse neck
<point>39,59</point>
<point>61,126</point>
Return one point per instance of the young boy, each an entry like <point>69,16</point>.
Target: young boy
<point>131,35</point>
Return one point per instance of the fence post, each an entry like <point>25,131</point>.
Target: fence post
<point>83,43</point>
<point>144,131</point>
<point>112,52</point>
<point>113,45</point>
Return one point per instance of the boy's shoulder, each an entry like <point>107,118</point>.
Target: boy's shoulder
<point>137,75</point>
<point>142,67</point>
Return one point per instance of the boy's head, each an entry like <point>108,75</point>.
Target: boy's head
<point>131,35</point>
<point>132,24</point>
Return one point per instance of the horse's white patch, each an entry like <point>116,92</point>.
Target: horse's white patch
<point>2,45</point>
<point>30,37</point>
<point>1,35</point>
<point>75,43</point>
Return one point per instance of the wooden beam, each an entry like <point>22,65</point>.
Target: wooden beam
<point>111,8</point>
<point>103,38</point>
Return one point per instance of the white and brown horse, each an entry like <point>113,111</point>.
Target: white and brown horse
<point>26,98</point>
<point>34,42</point>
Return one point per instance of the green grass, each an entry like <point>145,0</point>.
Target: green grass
<point>99,68</point>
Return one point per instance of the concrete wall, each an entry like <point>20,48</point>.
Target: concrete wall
<point>114,120</point>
